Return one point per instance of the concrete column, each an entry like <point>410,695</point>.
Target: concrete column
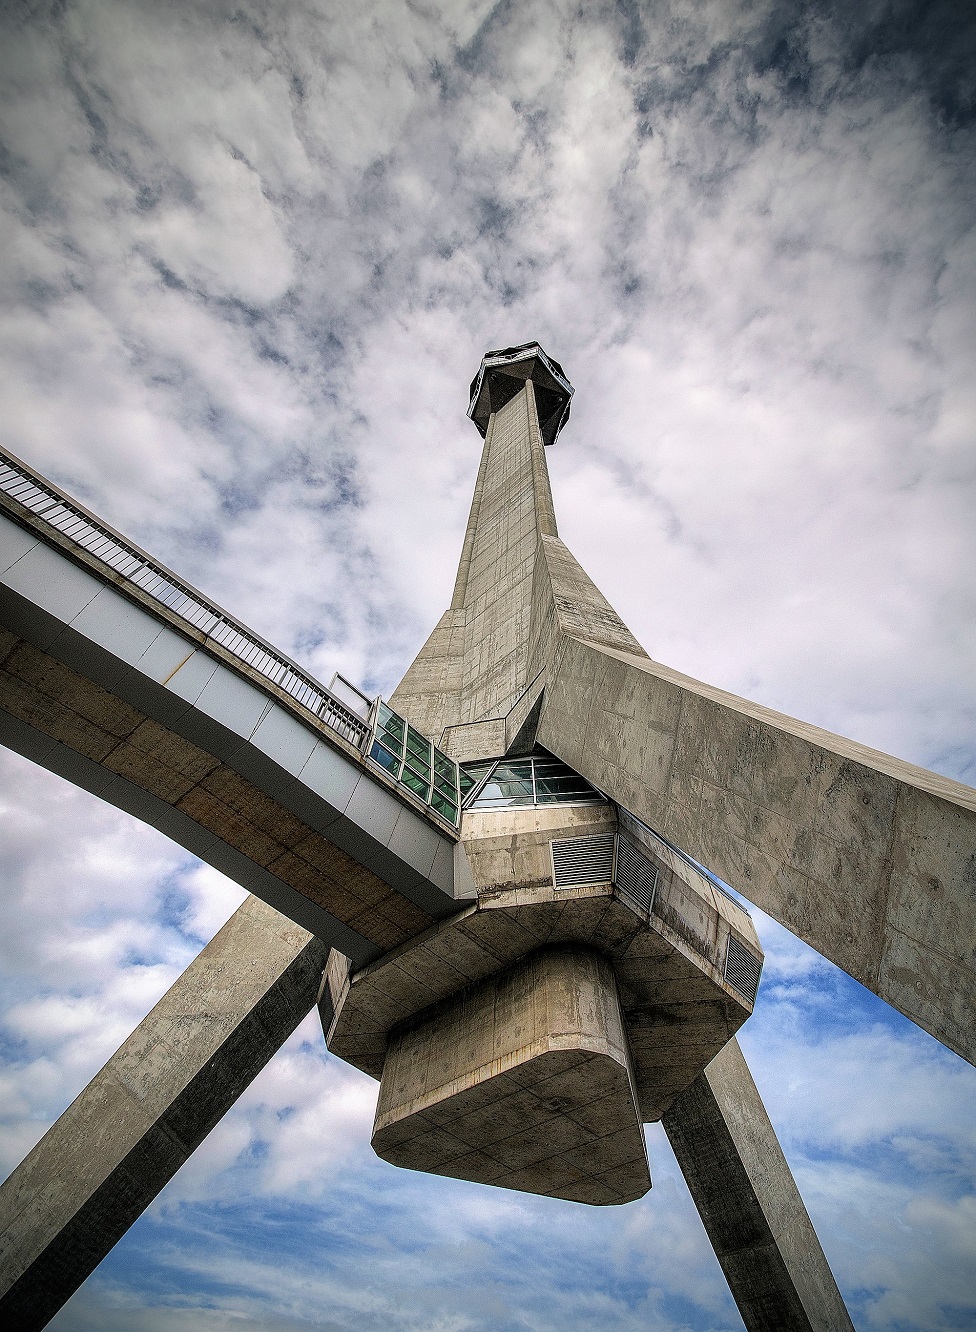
<point>749,1203</point>
<point>97,1169</point>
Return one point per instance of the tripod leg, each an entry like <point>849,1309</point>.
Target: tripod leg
<point>115,1147</point>
<point>749,1203</point>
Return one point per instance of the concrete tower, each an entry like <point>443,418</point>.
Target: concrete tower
<point>499,872</point>
<point>478,675</point>
<point>598,971</point>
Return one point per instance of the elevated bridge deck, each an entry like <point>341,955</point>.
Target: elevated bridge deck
<point>119,676</point>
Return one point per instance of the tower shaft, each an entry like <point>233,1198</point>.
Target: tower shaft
<point>516,584</point>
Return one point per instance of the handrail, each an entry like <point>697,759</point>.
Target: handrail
<point>52,506</point>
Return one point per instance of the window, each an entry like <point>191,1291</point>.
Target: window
<point>415,763</point>
<point>539,779</point>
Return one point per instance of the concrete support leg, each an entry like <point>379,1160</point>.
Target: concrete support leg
<point>97,1169</point>
<point>749,1202</point>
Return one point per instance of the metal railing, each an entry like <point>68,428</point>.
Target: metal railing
<point>705,874</point>
<point>64,515</point>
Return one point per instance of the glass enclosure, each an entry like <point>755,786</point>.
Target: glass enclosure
<point>415,763</point>
<point>538,779</point>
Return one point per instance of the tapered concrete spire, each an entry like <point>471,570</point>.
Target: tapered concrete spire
<point>515,576</point>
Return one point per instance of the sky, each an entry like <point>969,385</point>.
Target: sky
<point>251,257</point>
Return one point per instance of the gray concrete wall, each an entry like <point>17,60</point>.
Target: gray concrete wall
<point>749,1204</point>
<point>870,860</point>
<point>137,1121</point>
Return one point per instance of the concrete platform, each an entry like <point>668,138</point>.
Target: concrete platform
<point>668,958</point>
<point>512,1021</point>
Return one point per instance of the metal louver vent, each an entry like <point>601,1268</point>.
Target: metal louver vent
<point>742,969</point>
<point>579,860</point>
<point>635,875</point>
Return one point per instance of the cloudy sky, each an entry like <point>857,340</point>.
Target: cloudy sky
<point>251,256</point>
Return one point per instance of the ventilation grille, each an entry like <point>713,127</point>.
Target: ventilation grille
<point>635,876</point>
<point>742,969</point>
<point>579,860</point>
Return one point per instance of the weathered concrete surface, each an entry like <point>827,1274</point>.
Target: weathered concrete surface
<point>473,666</point>
<point>749,1203</point>
<point>668,961</point>
<point>105,692</point>
<point>137,1121</point>
<point>870,860</point>
<point>523,1081</point>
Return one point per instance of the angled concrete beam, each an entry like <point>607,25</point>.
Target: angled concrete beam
<point>749,1203</point>
<point>870,860</point>
<point>102,1163</point>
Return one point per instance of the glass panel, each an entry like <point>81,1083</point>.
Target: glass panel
<point>569,798</point>
<point>495,792</point>
<point>567,786</point>
<point>393,742</point>
<point>391,721</point>
<point>554,768</point>
<point>447,787</point>
<point>418,744</point>
<point>415,784</point>
<point>417,768</point>
<point>510,782</point>
<point>519,770</point>
<point>383,756</point>
<point>472,774</point>
<point>444,767</point>
<point>445,808</point>
<point>555,782</point>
